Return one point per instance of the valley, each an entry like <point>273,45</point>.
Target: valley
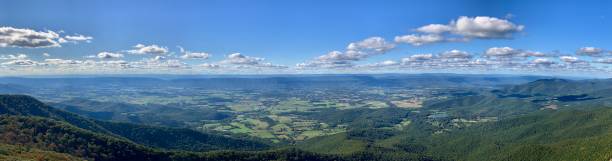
<point>389,117</point>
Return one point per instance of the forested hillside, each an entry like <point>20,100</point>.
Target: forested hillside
<point>174,138</point>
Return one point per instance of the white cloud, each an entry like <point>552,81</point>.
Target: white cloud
<point>435,29</point>
<point>193,55</point>
<point>532,54</point>
<point>485,27</point>
<point>173,63</point>
<point>27,38</point>
<point>46,54</point>
<point>75,39</point>
<point>569,59</point>
<point>339,56</point>
<point>113,62</point>
<point>333,59</point>
<point>209,66</point>
<point>590,51</point>
<point>501,52</point>
<point>355,51</point>
<point>457,54</point>
<point>109,55</point>
<point>372,45</point>
<point>62,61</point>
<point>386,63</point>
<point>190,55</point>
<point>158,62</point>
<point>418,58</point>
<point>21,62</point>
<point>389,63</point>
<point>463,29</point>
<point>418,40</point>
<point>13,57</point>
<point>508,52</point>
<point>239,60</point>
<point>158,58</point>
<point>150,49</point>
<point>542,61</point>
<point>604,60</point>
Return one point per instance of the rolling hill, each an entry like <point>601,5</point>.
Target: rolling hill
<point>546,135</point>
<point>176,138</point>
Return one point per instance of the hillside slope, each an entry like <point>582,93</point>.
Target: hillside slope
<point>175,138</point>
<point>18,153</point>
<point>545,135</point>
<point>36,129</point>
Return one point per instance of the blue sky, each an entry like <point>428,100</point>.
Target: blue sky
<point>286,33</point>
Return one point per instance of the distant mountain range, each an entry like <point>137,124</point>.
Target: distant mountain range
<point>275,82</point>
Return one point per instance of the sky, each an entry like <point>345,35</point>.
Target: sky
<point>305,36</point>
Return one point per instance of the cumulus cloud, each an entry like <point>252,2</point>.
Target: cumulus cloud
<point>21,62</point>
<point>158,62</point>
<point>333,59</point>
<point>372,45</point>
<point>46,54</point>
<point>209,66</point>
<point>389,63</point>
<point>507,58</point>
<point>435,29</point>
<point>501,52</point>
<point>28,38</point>
<point>173,63</point>
<point>339,56</point>
<point>418,58</point>
<point>13,57</point>
<point>75,39</point>
<point>148,49</point>
<point>569,59</point>
<point>532,54</point>
<point>485,27</point>
<point>604,60</point>
<point>383,64</point>
<point>239,59</point>
<point>62,61</point>
<point>456,54</point>
<point>418,40</point>
<point>508,52</point>
<point>191,55</point>
<point>493,59</point>
<point>445,61</point>
<point>158,58</point>
<point>109,55</point>
<point>590,51</point>
<point>355,51</point>
<point>463,29</point>
<point>452,59</point>
<point>359,50</point>
<point>542,61</point>
<point>242,61</point>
